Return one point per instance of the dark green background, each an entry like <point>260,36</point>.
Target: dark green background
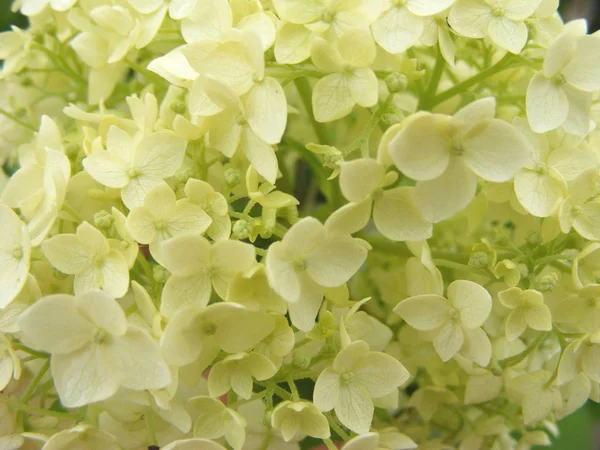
<point>580,431</point>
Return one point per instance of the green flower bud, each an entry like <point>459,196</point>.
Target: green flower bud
<point>534,238</point>
<point>103,220</point>
<point>241,229</point>
<point>232,176</point>
<point>478,260</point>
<point>547,283</point>
<point>184,174</point>
<point>178,107</point>
<point>161,275</point>
<point>396,82</point>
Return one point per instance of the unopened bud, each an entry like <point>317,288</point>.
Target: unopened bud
<point>232,176</point>
<point>183,174</point>
<point>534,238</point>
<point>478,260</point>
<point>396,82</point>
<point>547,283</point>
<point>292,214</point>
<point>103,220</point>
<point>241,229</point>
<point>161,275</point>
<point>178,107</point>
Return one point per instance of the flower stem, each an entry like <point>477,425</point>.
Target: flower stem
<point>473,81</point>
<point>306,96</point>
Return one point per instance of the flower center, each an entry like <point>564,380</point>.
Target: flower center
<point>99,336</point>
<point>98,260</point>
<point>498,11</point>
<point>346,377</point>
<point>559,80</point>
<point>240,120</point>
<point>209,329</point>
<point>299,265</point>
<point>328,16</point>
<point>160,225</point>
<point>458,149</point>
<point>133,172</point>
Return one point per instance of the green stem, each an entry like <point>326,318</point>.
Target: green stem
<point>43,412</point>
<point>72,212</point>
<point>34,382</point>
<point>516,359</point>
<point>329,444</point>
<point>148,272</point>
<point>17,120</point>
<point>149,75</point>
<point>32,352</point>
<point>151,434</point>
<point>473,81</point>
<point>438,71</point>
<point>363,140</point>
<point>305,92</point>
<point>336,427</point>
<point>292,385</point>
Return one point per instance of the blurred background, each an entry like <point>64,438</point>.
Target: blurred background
<point>579,431</point>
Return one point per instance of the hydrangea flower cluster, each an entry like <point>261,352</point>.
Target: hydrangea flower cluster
<point>283,224</point>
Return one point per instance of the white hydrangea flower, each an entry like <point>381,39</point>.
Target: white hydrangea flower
<point>264,105</point>
<point>502,20</point>
<point>455,322</point>
<point>542,184</point>
<point>15,255</point>
<point>215,420</point>
<point>395,211</point>
<point>302,20</point>
<point>537,398</point>
<point>401,24</point>
<point>580,309</point>
<point>437,31</point>
<point>162,217</point>
<point>38,188</point>
<point>258,432</point>
<point>82,435</point>
<point>231,130</point>
<point>357,376</point>
<point>35,7</point>
<point>528,310</point>
<point>581,210</point>
<point>236,372</point>
<point>214,204</point>
<point>10,365</point>
<point>561,93</point>
<point>389,439</point>
<point>214,19</point>
<point>221,326</point>
<point>193,444</point>
<point>308,260</point>
<point>453,151</point>
<point>87,255</point>
<point>136,164</point>
<point>93,349</point>
<point>293,418</point>
<point>251,289</point>
<point>196,265</point>
<point>351,82</point>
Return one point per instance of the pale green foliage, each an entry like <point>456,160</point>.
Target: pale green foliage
<point>248,224</point>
